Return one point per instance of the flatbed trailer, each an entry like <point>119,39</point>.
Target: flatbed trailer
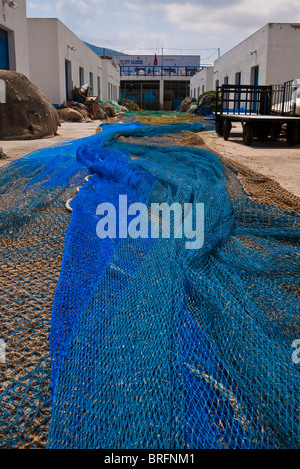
<point>262,111</point>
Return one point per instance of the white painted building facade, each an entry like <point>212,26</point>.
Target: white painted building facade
<point>13,37</point>
<point>202,81</point>
<point>269,56</point>
<point>59,62</point>
<point>156,81</point>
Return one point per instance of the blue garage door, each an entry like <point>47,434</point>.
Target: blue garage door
<point>4,60</point>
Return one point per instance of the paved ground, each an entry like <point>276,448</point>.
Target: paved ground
<point>66,132</point>
<point>274,159</point>
<point>277,159</point>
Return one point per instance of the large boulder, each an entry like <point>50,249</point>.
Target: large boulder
<point>26,114</point>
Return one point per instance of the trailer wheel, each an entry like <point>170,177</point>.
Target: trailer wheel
<point>275,130</point>
<point>248,133</point>
<point>219,127</point>
<point>291,134</point>
<point>226,128</point>
<point>263,131</point>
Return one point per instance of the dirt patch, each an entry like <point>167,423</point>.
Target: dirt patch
<point>261,189</point>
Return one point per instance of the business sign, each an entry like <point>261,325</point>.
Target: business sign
<point>166,60</point>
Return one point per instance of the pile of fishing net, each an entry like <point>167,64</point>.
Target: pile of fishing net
<point>130,104</point>
<point>26,113</point>
<point>152,344</point>
<point>161,117</point>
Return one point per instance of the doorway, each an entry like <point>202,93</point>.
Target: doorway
<point>4,56</point>
<point>254,75</point>
<point>68,75</point>
<point>254,82</point>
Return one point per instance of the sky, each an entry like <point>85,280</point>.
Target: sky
<point>194,27</point>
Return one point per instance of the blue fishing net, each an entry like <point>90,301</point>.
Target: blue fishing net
<point>154,345</point>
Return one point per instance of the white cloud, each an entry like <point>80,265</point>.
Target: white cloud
<point>174,24</point>
<point>39,7</point>
<point>243,15</point>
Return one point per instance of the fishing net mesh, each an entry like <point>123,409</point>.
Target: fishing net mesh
<point>26,114</point>
<point>152,345</point>
<point>33,221</point>
<point>161,117</point>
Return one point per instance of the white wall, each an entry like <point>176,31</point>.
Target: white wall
<point>242,58</point>
<point>43,57</point>
<point>283,53</point>
<point>201,82</point>
<point>14,21</point>
<point>275,49</point>
<point>83,57</point>
<point>51,43</point>
<point>111,81</point>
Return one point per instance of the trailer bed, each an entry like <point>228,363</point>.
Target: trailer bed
<point>248,118</point>
<point>253,106</point>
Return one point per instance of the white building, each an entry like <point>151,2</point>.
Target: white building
<point>13,37</point>
<point>269,56</point>
<point>156,82</point>
<point>202,81</point>
<point>59,62</point>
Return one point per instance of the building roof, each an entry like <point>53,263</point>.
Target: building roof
<point>103,50</point>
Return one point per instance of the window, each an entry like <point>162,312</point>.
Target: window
<point>226,95</point>
<point>238,82</point>
<point>91,84</point>
<point>81,76</point>
<point>254,82</point>
<point>217,83</point>
<point>254,75</point>
<point>98,87</point>
<point>238,78</point>
<point>4,50</point>
<point>68,79</point>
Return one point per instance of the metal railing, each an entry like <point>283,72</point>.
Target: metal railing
<point>244,99</point>
<point>158,71</point>
<point>283,100</point>
<point>258,99</point>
